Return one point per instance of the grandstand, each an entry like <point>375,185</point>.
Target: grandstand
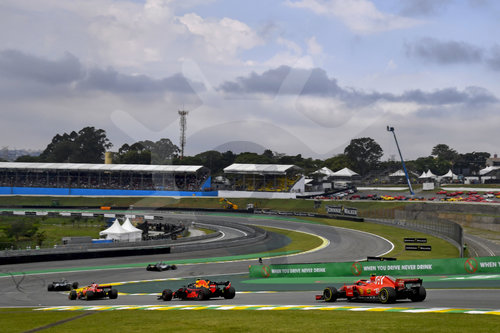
<point>263,177</point>
<point>103,179</point>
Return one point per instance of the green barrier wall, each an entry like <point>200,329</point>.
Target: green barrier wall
<point>479,265</point>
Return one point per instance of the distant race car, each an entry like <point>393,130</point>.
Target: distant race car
<point>94,291</point>
<point>160,266</point>
<point>62,285</point>
<point>385,289</point>
<point>200,290</point>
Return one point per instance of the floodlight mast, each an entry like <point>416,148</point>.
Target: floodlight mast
<point>391,129</point>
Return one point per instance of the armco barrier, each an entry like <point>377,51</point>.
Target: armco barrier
<point>456,266</point>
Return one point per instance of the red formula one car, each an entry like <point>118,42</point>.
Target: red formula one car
<point>94,291</point>
<point>200,290</point>
<point>385,289</point>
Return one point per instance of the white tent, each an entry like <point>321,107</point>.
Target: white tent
<point>135,234</point>
<point>430,174</point>
<point>324,171</point>
<point>449,174</point>
<point>399,173</point>
<point>488,169</point>
<point>116,232</point>
<point>427,174</point>
<point>345,172</point>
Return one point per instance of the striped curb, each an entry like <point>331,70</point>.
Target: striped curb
<point>268,308</point>
<point>158,294</point>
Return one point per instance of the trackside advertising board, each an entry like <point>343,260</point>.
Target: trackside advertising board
<point>478,265</point>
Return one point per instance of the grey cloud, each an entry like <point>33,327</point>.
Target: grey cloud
<point>18,65</point>
<point>423,7</point>
<point>32,75</point>
<point>113,81</point>
<point>318,83</point>
<point>493,61</point>
<point>274,81</point>
<point>470,95</point>
<point>444,52</point>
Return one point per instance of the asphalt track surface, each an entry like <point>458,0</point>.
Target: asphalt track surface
<point>339,245</point>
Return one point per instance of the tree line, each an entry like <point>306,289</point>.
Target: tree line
<point>362,155</point>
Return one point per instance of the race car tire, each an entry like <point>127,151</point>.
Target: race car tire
<point>113,294</point>
<point>72,295</point>
<point>149,268</point>
<point>75,285</point>
<point>173,267</point>
<point>182,293</point>
<point>330,294</point>
<point>166,295</point>
<point>203,294</point>
<point>229,293</point>
<point>50,287</point>
<point>420,294</point>
<point>387,295</point>
<point>89,294</point>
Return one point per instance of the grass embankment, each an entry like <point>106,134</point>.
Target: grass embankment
<point>440,248</point>
<point>52,228</point>
<point>243,321</point>
<point>206,231</point>
<point>299,205</point>
<point>300,241</point>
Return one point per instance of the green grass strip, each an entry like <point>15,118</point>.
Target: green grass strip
<point>184,261</point>
<point>257,319</point>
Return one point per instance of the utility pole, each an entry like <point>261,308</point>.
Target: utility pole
<point>391,129</point>
<point>183,115</point>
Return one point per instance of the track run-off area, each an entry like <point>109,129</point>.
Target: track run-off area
<point>25,285</point>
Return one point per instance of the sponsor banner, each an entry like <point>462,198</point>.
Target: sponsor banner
<point>88,214</point>
<point>350,211</point>
<point>76,214</point>
<point>415,240</point>
<point>109,215</point>
<point>334,210</point>
<point>478,265</point>
<point>418,248</point>
<point>30,213</point>
<point>65,213</point>
<point>341,210</point>
<point>42,213</point>
<point>19,212</point>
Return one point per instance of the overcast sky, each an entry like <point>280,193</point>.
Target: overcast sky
<point>294,76</point>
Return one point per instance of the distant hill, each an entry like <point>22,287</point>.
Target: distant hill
<point>12,154</point>
<point>239,147</point>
